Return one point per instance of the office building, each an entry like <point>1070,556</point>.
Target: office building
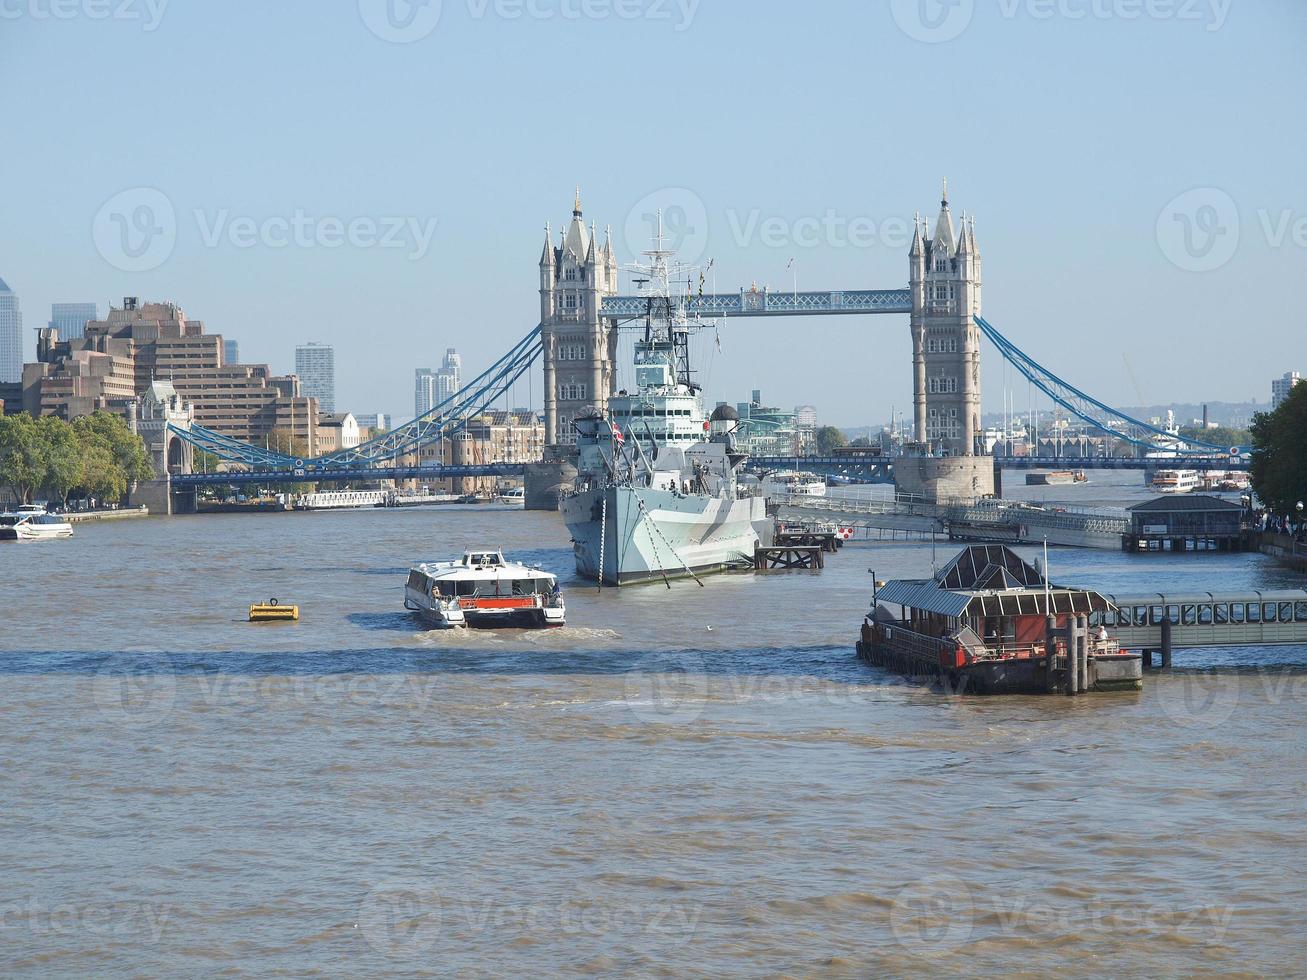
<point>70,319</point>
<point>231,351</point>
<point>1280,388</point>
<point>11,336</point>
<point>450,376</point>
<point>121,356</point>
<point>424,391</point>
<point>316,366</point>
<point>375,424</point>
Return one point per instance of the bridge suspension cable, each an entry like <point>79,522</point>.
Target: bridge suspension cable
<point>1085,406</point>
<point>449,416</point>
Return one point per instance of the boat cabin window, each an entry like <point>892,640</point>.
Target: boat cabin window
<point>416,580</point>
<point>1141,615</point>
<point>1188,615</point>
<point>1236,612</point>
<point>1221,613</point>
<point>8,521</point>
<point>1286,612</point>
<point>1254,613</point>
<point>1268,612</point>
<point>480,559</point>
<point>1205,615</point>
<point>1300,611</point>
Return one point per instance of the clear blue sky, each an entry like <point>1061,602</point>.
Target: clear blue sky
<point>1068,136</point>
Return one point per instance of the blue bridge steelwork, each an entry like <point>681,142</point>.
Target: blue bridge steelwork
<point>765,302</point>
<point>343,474</point>
<point>370,460</point>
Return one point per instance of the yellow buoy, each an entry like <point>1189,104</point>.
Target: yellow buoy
<point>270,611</point>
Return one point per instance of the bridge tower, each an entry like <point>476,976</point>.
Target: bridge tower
<point>580,347</point>
<point>944,279</point>
<point>945,285</point>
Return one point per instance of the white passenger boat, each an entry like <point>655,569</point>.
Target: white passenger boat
<point>32,523</point>
<point>1175,481</point>
<point>483,589</point>
<point>514,496</point>
<point>789,483</point>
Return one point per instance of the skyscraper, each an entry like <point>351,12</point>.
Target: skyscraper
<point>1280,387</point>
<point>316,366</point>
<point>231,351</point>
<point>11,337</point>
<point>424,391</point>
<point>70,319</point>
<point>450,375</point>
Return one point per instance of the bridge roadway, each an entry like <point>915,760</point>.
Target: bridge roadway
<point>881,468</point>
<point>340,474</point>
<point>769,302</point>
<point>1000,521</point>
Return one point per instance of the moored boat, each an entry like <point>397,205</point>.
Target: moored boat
<point>484,589</point>
<point>31,523</point>
<point>990,623</point>
<point>1175,481</point>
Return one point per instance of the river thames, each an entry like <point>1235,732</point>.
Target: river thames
<point>684,781</point>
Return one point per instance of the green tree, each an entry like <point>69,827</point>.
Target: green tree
<point>828,438</point>
<point>1222,435</point>
<point>127,448</point>
<point>22,459</point>
<point>63,456</point>
<point>1279,465</point>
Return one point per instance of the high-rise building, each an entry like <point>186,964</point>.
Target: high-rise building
<point>11,336</point>
<point>1280,387</point>
<point>70,319</point>
<point>380,422</point>
<point>316,366</point>
<point>806,415</point>
<point>450,376</point>
<point>231,351</point>
<point>424,391</point>
<point>122,356</point>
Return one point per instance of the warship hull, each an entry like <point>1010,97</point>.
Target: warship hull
<point>649,535</point>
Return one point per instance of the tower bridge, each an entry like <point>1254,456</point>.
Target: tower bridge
<point>582,311</point>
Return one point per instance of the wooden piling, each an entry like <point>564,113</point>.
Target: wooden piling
<point>1166,643</point>
<point>1072,669</point>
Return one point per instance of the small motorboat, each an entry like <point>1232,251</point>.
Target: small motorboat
<point>484,589</point>
<point>514,496</point>
<point>31,523</point>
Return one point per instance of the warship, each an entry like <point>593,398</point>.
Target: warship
<point>656,495</point>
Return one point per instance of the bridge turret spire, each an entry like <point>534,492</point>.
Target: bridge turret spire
<point>944,238</point>
<point>547,253</point>
<point>576,203</point>
<point>917,247</point>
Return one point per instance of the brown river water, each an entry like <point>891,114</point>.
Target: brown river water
<point>685,781</point>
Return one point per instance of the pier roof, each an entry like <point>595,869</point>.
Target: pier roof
<point>1190,502</point>
<point>990,580</point>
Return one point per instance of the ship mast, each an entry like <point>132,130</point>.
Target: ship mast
<point>665,312</point>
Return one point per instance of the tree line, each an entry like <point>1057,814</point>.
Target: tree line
<point>92,456</point>
<point>1279,464</point>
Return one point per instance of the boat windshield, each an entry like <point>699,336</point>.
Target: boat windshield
<point>9,520</point>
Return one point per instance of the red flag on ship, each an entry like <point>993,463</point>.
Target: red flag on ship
<point>618,438</point>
